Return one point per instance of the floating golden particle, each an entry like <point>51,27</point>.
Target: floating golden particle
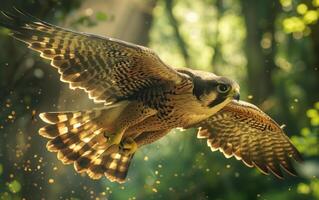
<point>51,180</point>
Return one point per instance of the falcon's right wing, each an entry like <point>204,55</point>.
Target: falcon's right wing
<point>242,130</point>
<point>106,68</point>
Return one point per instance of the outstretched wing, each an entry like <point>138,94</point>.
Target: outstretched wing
<point>242,130</point>
<point>106,68</point>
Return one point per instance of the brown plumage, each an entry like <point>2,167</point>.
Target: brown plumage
<point>242,130</point>
<point>143,100</point>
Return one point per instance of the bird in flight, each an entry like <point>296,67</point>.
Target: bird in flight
<point>144,99</point>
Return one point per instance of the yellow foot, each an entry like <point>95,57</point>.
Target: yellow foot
<point>112,143</point>
<point>113,139</point>
<point>128,146</point>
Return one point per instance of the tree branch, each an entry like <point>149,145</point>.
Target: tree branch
<point>216,44</point>
<point>180,41</point>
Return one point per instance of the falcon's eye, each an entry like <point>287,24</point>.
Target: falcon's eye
<point>222,88</point>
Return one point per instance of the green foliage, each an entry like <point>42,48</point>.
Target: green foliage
<point>83,21</point>
<point>14,186</point>
<point>12,189</point>
<point>89,20</point>
<point>304,16</point>
<point>100,16</point>
<point>206,33</point>
<point>310,189</point>
<point>307,143</point>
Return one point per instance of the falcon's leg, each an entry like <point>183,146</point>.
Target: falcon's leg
<point>134,113</point>
<point>114,139</point>
<point>128,146</point>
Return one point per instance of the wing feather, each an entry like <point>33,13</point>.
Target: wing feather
<point>242,130</point>
<point>106,68</point>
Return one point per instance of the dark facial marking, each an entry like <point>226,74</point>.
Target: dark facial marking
<point>222,94</point>
<point>202,86</point>
<point>220,98</point>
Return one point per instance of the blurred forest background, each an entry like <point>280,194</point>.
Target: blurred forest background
<point>271,47</point>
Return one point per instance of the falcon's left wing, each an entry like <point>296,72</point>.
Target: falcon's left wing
<point>107,69</point>
<point>242,130</point>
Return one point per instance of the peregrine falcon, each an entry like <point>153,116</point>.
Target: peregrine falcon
<point>143,100</point>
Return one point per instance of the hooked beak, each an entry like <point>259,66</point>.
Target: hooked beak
<point>236,94</point>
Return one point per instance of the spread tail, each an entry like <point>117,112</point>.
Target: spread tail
<point>78,138</point>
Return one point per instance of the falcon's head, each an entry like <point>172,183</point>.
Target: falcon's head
<point>211,90</point>
<point>216,91</point>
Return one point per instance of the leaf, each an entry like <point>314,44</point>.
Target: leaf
<point>312,113</point>
<point>305,132</point>
<point>14,186</point>
<point>101,16</point>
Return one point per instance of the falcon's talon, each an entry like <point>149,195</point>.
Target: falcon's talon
<point>128,146</point>
<point>114,139</point>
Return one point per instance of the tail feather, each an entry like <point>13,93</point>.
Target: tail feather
<point>56,117</point>
<point>72,148</point>
<point>78,138</point>
<point>114,166</point>
<point>69,139</point>
<point>54,130</point>
<point>67,156</point>
<point>60,142</point>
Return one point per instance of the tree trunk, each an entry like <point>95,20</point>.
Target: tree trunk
<point>315,68</point>
<point>260,19</point>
